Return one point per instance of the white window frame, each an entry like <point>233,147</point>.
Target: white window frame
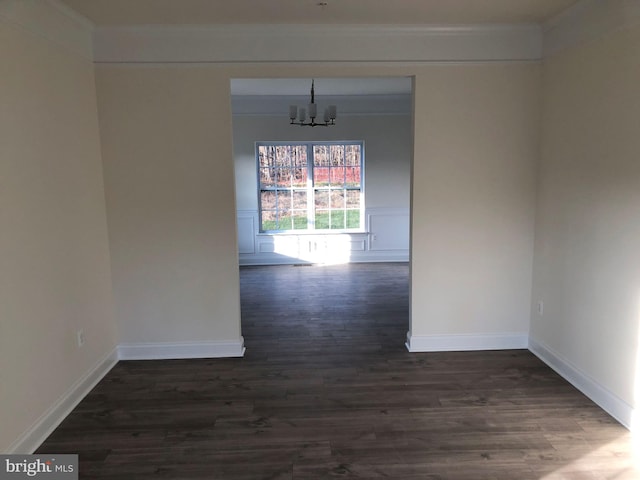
<point>311,188</point>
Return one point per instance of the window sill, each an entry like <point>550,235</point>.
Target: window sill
<point>312,232</point>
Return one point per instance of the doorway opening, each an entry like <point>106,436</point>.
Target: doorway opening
<point>375,113</point>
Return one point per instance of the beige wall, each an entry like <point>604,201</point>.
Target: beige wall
<point>587,254</point>
<point>54,258</point>
<point>166,134</point>
<point>166,138</point>
<point>474,199</point>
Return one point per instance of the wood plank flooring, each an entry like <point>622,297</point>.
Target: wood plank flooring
<point>327,390</point>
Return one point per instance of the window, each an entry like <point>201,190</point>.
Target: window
<point>310,186</point>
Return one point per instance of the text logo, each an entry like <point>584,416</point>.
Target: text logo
<point>51,467</point>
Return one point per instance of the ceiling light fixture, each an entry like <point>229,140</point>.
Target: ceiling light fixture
<point>299,116</point>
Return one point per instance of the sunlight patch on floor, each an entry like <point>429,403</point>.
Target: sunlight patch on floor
<point>617,460</point>
<point>323,250</point>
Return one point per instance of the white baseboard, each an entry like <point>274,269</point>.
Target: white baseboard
<point>452,343</point>
<point>31,439</point>
<point>605,399</point>
<point>166,351</point>
<point>380,256</point>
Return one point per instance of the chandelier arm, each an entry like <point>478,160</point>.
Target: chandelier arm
<point>311,124</point>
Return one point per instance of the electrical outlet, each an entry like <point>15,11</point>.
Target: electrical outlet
<point>540,307</point>
<point>80,338</point>
<point>374,237</point>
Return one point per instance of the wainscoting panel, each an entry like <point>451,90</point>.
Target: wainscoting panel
<point>389,229</point>
<point>246,233</point>
<point>385,239</point>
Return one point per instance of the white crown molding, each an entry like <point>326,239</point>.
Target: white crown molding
<point>53,21</point>
<point>287,44</point>
<point>586,21</point>
<point>33,437</point>
<point>466,342</point>
<point>165,351</point>
<point>258,105</point>
<point>607,400</point>
<point>324,30</point>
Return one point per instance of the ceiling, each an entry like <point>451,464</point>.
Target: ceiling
<point>350,12</point>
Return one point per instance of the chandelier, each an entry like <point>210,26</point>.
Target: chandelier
<point>299,116</point>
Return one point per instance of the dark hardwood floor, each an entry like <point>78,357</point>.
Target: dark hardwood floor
<point>328,390</point>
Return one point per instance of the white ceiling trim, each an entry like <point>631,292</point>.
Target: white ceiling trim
<point>53,21</point>
<point>257,105</point>
<point>324,86</point>
<point>586,21</point>
<point>286,43</point>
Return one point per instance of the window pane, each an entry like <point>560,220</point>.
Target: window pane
<point>321,176</point>
<point>353,218</point>
<point>268,200</point>
<point>352,155</point>
<point>299,177</point>
<point>353,176</point>
<point>300,220</point>
<point>284,200</point>
<point>321,156</point>
<point>322,219</point>
<point>337,176</point>
<point>269,220</point>
<point>265,156</point>
<point>285,220</point>
<point>267,177</point>
<point>337,219</point>
<point>322,199</point>
<point>283,177</point>
<point>337,199</point>
<point>353,198</point>
<point>299,200</point>
<point>299,156</point>
<point>337,155</point>
<point>283,156</point>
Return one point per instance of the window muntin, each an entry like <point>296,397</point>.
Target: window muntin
<point>310,186</point>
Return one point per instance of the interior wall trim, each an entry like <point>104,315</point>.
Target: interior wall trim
<point>604,398</point>
<point>316,43</point>
<point>466,342</point>
<point>167,351</point>
<point>33,437</point>
<point>357,105</point>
